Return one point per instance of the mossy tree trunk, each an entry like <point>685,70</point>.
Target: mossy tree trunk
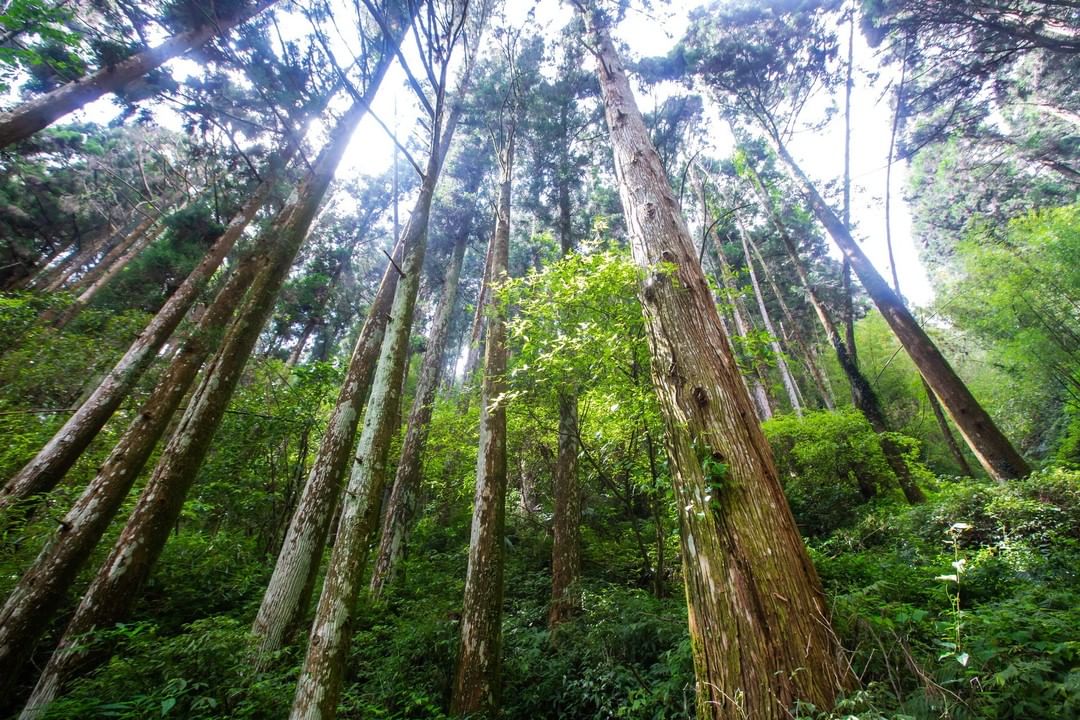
<point>404,496</point>
<point>477,680</point>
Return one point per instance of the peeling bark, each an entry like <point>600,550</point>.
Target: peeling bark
<point>758,623</point>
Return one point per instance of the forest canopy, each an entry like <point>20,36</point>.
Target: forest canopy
<point>422,359</point>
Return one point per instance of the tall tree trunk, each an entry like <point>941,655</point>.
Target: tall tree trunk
<point>758,625</point>
<point>566,542</point>
<point>849,85</point>
<point>477,329</point>
<point>806,348</point>
<point>566,537</point>
<point>317,518</point>
<point>116,586</point>
<point>319,686</point>
<point>48,467</point>
<point>42,588</point>
<point>42,111</point>
<point>478,677</point>
<point>291,584</point>
<point>404,497</point>
<point>863,396</point>
<point>990,446</point>
<point>781,363</point>
<point>931,398</point>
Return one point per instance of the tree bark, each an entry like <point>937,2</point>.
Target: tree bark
<point>51,463</point>
<point>990,446</point>
<point>39,113</point>
<point>478,677</point>
<point>401,508</point>
<point>566,542</point>
<point>758,623</point>
<point>566,535</point>
<point>116,586</point>
<point>42,588</point>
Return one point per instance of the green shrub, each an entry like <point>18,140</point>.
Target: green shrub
<point>830,463</point>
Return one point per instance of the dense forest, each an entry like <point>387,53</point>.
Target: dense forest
<point>481,358</point>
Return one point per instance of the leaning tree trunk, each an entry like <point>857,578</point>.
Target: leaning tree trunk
<point>28,118</point>
<point>477,680</point>
<point>931,398</point>
<point>116,586</point>
<point>47,469</point>
<point>113,254</point>
<point>993,450</point>
<point>319,686</point>
<point>863,396</point>
<point>42,588</point>
<point>758,625</point>
<point>55,278</point>
<point>402,505</point>
<point>291,583</point>
<point>781,363</point>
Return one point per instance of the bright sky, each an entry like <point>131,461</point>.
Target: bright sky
<point>654,33</point>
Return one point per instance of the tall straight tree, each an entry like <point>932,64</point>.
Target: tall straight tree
<point>116,586</point>
<point>26,119</point>
<point>401,510</point>
<point>758,623</point>
<point>444,27</point>
<point>477,680</point>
